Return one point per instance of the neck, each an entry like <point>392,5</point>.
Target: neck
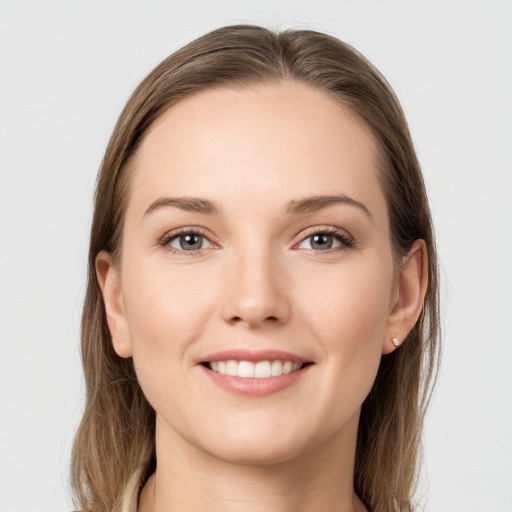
<point>188,479</point>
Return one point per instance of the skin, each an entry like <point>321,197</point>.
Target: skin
<point>258,283</point>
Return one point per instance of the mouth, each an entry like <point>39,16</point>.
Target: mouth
<point>255,369</point>
<point>255,373</point>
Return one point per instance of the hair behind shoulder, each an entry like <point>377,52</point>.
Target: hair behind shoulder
<point>115,439</point>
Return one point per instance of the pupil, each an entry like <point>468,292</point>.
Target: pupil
<point>322,242</point>
<point>188,242</point>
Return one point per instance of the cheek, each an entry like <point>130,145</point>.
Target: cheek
<point>350,305</point>
<point>166,311</point>
<point>348,316</point>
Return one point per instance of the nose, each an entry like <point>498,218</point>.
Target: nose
<point>256,291</point>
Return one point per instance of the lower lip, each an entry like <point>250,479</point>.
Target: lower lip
<point>255,387</point>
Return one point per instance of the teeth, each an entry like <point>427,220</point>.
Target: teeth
<point>232,368</point>
<point>259,370</point>
<point>262,370</point>
<point>277,368</point>
<point>246,369</point>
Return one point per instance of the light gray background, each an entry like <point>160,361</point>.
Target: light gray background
<point>67,68</point>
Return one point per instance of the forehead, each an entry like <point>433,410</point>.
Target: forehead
<point>265,143</point>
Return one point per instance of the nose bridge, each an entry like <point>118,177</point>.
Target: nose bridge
<point>257,291</point>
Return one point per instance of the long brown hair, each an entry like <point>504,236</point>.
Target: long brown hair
<point>115,440</point>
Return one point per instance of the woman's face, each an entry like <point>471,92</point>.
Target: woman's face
<point>256,238</point>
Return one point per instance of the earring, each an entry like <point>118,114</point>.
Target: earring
<point>395,342</point>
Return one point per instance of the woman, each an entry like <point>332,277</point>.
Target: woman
<point>261,321</point>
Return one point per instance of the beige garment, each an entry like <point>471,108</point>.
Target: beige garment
<point>131,493</point>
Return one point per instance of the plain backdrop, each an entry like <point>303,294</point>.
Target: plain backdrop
<point>67,68</point>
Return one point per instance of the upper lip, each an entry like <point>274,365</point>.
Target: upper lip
<point>253,356</point>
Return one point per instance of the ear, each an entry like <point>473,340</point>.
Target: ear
<point>408,299</point>
<point>109,280</point>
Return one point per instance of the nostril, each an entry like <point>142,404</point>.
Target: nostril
<point>271,318</point>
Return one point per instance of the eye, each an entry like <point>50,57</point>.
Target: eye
<point>188,240</point>
<point>325,240</point>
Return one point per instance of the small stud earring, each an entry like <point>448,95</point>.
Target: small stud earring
<point>395,342</point>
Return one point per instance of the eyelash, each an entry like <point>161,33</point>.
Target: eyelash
<point>169,237</point>
<point>345,240</point>
<point>340,235</point>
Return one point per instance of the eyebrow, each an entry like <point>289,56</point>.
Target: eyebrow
<point>295,207</point>
<point>189,204</point>
<point>315,203</point>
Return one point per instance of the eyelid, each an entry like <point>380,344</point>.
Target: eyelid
<point>343,236</point>
<point>193,230</point>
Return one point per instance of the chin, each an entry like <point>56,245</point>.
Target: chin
<point>259,444</point>
<point>259,453</point>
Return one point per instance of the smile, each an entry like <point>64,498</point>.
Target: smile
<point>252,373</point>
<point>258,370</point>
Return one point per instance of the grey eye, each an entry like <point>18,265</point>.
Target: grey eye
<point>189,242</point>
<point>320,242</point>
